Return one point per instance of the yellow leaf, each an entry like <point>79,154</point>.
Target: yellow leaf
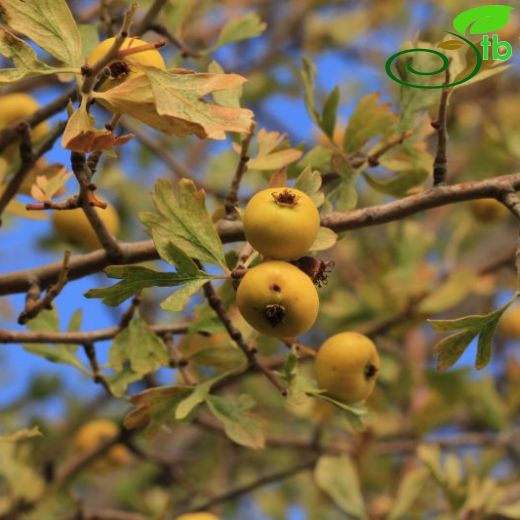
<point>172,102</point>
<point>81,136</point>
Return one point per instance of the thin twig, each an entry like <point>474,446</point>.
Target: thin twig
<point>29,158</point>
<point>216,304</point>
<point>440,164</point>
<point>87,198</point>
<point>99,378</point>
<point>150,16</point>
<point>248,488</point>
<point>92,72</point>
<point>186,52</point>
<point>33,308</point>
<point>241,169</point>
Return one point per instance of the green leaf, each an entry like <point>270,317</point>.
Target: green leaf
<point>20,435</point>
<point>180,298</point>
<point>400,184</point>
<point>119,382</point>
<point>309,181</point>
<point>343,194</point>
<point>274,152</point>
<point>240,426</point>
<point>410,488</point>
<point>49,23</point>
<point>223,358</point>
<point>19,476</point>
<point>155,408</point>
<point>308,74</point>
<point>450,44</point>
<point>467,322</point>
<point>24,58</point>
<point>184,222</point>
<point>229,97</point>
<point>368,120</point>
<point>485,343</point>
<point>134,278</point>
<point>450,292</point>
<point>482,19</point>
<point>75,320</point>
<point>237,29</point>
<point>328,116</point>
<point>325,240</point>
<point>199,394</point>
<point>138,345</point>
<point>449,349</point>
<point>47,321</point>
<point>89,38</point>
<point>338,478</point>
<point>355,414</point>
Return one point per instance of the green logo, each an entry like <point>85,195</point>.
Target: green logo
<point>478,20</point>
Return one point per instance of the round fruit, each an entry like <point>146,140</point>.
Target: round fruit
<point>346,366</point>
<point>278,299</point>
<point>488,210</point>
<point>509,323</point>
<point>281,223</point>
<point>125,68</point>
<point>14,108</point>
<point>197,516</point>
<point>95,433</point>
<point>73,226</point>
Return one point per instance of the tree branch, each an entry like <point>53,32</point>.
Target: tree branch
<point>231,231</point>
<point>71,338</point>
<point>248,488</point>
<point>34,307</point>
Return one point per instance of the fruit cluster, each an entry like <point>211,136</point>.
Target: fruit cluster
<point>279,298</point>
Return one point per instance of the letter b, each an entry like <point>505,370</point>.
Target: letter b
<point>497,55</point>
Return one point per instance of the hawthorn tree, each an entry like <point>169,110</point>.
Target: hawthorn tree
<point>161,120</point>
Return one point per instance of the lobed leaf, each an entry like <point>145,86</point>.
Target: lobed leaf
<point>49,23</point>
<point>138,346</point>
<point>135,278</point>
<point>240,426</point>
<point>183,223</point>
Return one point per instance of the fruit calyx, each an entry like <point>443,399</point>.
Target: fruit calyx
<point>285,198</point>
<point>275,314</point>
<point>118,69</point>
<point>370,371</point>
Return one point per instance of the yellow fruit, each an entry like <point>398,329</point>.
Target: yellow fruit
<point>346,366</point>
<point>488,210</point>
<point>126,68</point>
<point>73,226</point>
<point>278,299</point>
<point>509,323</point>
<point>281,223</point>
<point>95,433</point>
<point>197,516</point>
<point>14,108</point>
